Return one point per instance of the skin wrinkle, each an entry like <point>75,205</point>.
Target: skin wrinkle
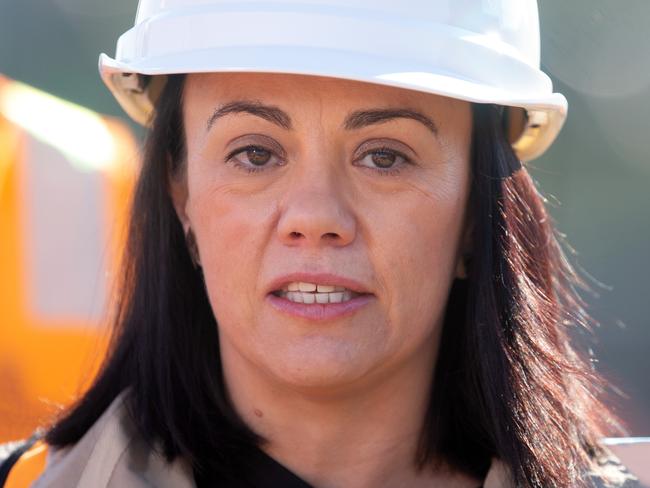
<point>353,385</point>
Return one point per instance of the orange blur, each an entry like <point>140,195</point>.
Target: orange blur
<point>46,362</point>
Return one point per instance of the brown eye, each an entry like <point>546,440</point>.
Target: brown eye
<point>258,156</point>
<point>383,159</point>
<point>254,159</point>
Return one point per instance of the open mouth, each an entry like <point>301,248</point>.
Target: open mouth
<point>309,293</point>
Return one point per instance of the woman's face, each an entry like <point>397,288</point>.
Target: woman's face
<point>356,188</point>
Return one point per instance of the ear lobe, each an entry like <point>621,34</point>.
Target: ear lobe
<point>179,194</point>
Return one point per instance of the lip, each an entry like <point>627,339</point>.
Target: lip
<point>319,278</point>
<point>319,311</point>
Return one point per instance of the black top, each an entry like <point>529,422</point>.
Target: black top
<point>264,472</point>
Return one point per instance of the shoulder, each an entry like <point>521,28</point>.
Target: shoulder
<point>608,472</point>
<point>110,455</point>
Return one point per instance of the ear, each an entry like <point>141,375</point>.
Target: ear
<point>179,194</point>
<point>465,249</point>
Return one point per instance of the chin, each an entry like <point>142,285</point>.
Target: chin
<point>328,369</point>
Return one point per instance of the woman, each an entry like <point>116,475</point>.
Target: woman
<point>338,272</point>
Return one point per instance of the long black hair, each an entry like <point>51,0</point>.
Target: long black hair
<point>507,385</point>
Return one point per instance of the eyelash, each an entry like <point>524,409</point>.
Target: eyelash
<point>251,169</point>
<point>393,171</point>
<point>259,169</point>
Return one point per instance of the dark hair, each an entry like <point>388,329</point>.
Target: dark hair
<point>508,383</point>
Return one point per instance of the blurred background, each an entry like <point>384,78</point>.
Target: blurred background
<point>65,173</point>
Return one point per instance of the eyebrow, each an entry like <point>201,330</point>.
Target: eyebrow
<point>364,118</point>
<point>356,120</point>
<point>272,114</point>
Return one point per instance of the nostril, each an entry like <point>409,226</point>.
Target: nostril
<point>331,235</point>
<point>295,235</point>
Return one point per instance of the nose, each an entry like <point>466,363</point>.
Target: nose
<point>315,213</point>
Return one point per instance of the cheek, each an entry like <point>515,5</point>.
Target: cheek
<point>230,230</point>
<point>416,238</point>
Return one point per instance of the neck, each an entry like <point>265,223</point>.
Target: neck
<point>357,436</point>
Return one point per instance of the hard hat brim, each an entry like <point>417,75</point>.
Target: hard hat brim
<point>545,114</point>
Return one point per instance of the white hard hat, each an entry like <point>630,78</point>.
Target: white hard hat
<point>485,51</point>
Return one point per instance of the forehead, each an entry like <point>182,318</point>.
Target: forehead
<point>204,91</point>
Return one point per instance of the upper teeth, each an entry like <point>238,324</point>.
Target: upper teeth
<point>312,287</point>
<point>313,293</point>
